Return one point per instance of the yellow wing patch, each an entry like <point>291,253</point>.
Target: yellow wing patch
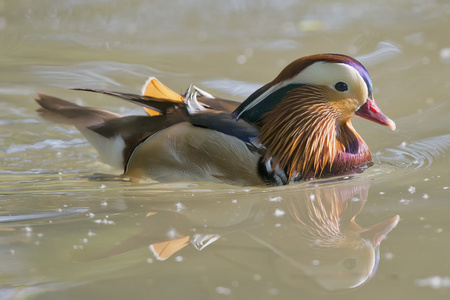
<point>154,88</point>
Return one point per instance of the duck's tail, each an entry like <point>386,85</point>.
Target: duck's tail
<point>113,136</point>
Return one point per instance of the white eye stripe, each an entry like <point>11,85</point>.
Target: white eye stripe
<point>318,73</point>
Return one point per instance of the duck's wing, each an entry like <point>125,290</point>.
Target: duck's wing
<point>225,123</point>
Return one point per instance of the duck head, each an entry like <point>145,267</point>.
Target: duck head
<point>304,115</point>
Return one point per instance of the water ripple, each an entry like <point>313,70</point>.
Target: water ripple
<point>416,155</point>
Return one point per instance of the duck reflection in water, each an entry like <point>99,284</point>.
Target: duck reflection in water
<point>312,229</point>
<point>323,240</point>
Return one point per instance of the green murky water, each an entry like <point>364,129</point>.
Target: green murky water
<point>66,235</point>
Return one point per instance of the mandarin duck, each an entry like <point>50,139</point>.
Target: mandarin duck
<point>296,127</point>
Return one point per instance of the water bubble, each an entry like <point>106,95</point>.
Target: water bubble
<point>434,282</point>
<point>444,54</point>
<point>257,277</point>
<point>180,206</point>
<point>405,201</point>
<point>241,59</point>
<point>279,213</point>
<point>223,290</point>
<point>388,255</point>
<point>275,199</point>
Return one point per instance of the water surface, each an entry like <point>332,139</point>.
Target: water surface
<point>66,234</point>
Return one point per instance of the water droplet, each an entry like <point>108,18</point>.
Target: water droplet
<point>279,213</point>
<point>180,206</point>
<point>257,277</point>
<point>388,255</point>
<point>405,201</point>
<point>223,290</point>
<point>444,54</point>
<point>241,59</point>
<point>275,199</point>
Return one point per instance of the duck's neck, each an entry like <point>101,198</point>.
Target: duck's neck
<point>307,139</point>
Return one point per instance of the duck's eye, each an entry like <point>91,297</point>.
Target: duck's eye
<point>341,86</point>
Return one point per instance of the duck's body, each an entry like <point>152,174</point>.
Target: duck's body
<point>295,127</point>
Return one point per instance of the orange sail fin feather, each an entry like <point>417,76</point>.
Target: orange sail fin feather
<point>154,88</point>
<point>296,127</point>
